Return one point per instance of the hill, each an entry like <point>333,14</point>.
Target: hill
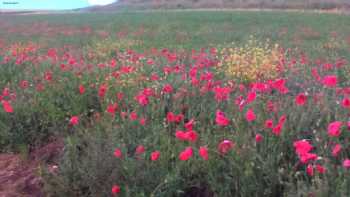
<point>224,4</point>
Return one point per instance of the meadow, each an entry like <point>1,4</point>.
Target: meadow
<point>180,103</point>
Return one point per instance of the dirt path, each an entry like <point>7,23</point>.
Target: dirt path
<point>18,177</point>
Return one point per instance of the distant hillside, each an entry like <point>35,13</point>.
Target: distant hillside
<point>193,4</point>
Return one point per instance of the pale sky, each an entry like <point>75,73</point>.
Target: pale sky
<point>50,4</point>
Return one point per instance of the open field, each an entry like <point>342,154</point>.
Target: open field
<point>307,31</point>
<point>197,4</point>
<point>175,103</point>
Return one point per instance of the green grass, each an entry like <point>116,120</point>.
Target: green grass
<point>194,29</point>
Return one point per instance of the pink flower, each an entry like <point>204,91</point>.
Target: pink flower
<point>251,97</point>
<point>346,103</point>
<point>336,150</point>
<point>258,138</point>
<point>142,121</point>
<point>269,124</point>
<point>300,99</point>
<point>250,115</point>
<point>142,99</point>
<point>320,169</point>
<point>81,89</point>
<point>140,149</point>
<point>222,93</point>
<point>203,152</point>
<point>189,125</point>
<point>111,108</point>
<point>102,90</point>
<point>190,136</point>
<point>346,163</point>
<point>221,119</point>
<point>186,154</point>
<point>310,170</point>
<point>133,116</point>
<point>277,129</point>
<point>118,153</point>
<point>74,120</point>
<point>280,85</point>
<point>24,84</point>
<point>168,88</point>
<point>302,147</point>
<point>155,155</point>
<point>282,119</point>
<point>330,81</point>
<point>225,146</point>
<point>181,135</point>
<point>171,117</point>
<point>116,189</point>
<point>7,106</point>
<point>334,129</point>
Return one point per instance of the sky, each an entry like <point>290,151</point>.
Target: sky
<point>50,4</point>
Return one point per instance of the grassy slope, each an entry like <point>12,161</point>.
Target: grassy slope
<point>296,4</point>
<point>308,31</point>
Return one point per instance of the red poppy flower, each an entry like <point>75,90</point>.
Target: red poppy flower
<point>203,152</point>
<point>251,97</point>
<point>310,170</point>
<point>187,136</point>
<point>181,135</point>
<point>116,189</point>
<point>277,129</point>
<point>102,90</point>
<point>346,103</point>
<point>6,92</point>
<point>330,81</point>
<point>81,89</point>
<point>225,146</point>
<point>302,147</point>
<point>171,117</point>
<point>308,157</point>
<point>118,153</point>
<point>186,154</point>
<point>140,149</point>
<point>111,108</point>
<point>168,89</point>
<point>191,136</point>
<point>155,155</point>
<point>120,96</point>
<point>250,115</point>
<point>179,118</point>
<point>221,119</point>
<point>142,121</point>
<point>24,84</point>
<point>189,125</point>
<point>320,169</point>
<point>74,120</point>
<point>222,93</point>
<point>142,99</point>
<point>334,129</point>
<point>300,99</point>
<point>258,138</point>
<point>133,116</point>
<point>336,150</point>
<point>269,124</point>
<point>346,163</point>
<point>7,106</point>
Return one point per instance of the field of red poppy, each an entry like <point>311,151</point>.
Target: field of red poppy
<point>179,104</point>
